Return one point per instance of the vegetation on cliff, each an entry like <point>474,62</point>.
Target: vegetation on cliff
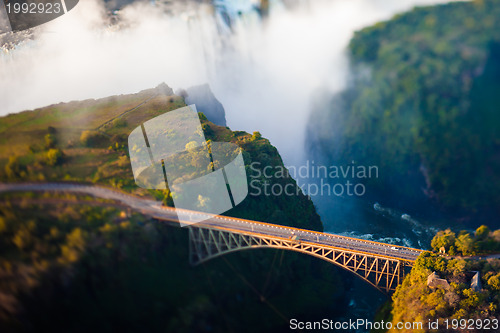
<point>87,142</point>
<point>418,299</point>
<point>76,263</point>
<point>423,106</point>
<point>482,241</point>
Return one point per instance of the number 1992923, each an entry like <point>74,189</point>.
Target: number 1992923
<point>34,8</point>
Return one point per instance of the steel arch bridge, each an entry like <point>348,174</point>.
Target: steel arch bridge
<point>381,265</point>
<point>382,272</point>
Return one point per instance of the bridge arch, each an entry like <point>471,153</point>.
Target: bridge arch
<point>383,273</point>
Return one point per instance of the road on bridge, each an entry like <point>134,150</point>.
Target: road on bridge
<point>235,225</point>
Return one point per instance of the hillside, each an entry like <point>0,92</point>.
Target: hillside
<point>75,263</point>
<point>86,141</point>
<point>422,104</point>
<point>455,300</point>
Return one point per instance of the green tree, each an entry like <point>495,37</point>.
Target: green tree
<point>444,239</point>
<point>54,157</point>
<point>14,169</point>
<point>457,266</point>
<point>256,135</point>
<point>496,235</point>
<point>494,282</point>
<point>90,138</point>
<point>50,141</point>
<point>465,244</point>
<point>23,237</point>
<point>75,245</point>
<point>207,130</point>
<point>482,232</point>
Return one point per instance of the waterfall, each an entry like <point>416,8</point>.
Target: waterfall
<point>265,71</point>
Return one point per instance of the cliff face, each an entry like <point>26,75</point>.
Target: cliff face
<point>207,103</point>
<point>75,263</point>
<point>92,137</point>
<point>421,105</point>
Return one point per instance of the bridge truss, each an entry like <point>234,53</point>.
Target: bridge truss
<point>383,272</point>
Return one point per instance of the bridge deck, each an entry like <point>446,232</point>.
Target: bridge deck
<point>381,265</point>
<point>231,224</point>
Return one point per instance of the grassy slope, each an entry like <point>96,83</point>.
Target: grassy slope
<point>87,267</point>
<point>106,162</point>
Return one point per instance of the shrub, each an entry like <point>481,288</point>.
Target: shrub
<point>50,141</point>
<point>119,122</point>
<point>14,168</point>
<point>207,130</point>
<point>54,157</point>
<point>465,244</point>
<point>90,138</point>
<point>482,232</point>
<point>494,282</point>
<point>256,135</point>
<point>444,239</point>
